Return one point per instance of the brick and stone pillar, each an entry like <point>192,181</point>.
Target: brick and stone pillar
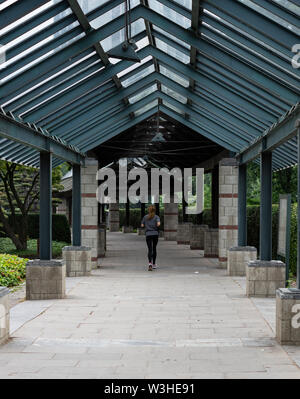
<point>89,208</point>
<point>197,236</point>
<point>170,222</point>
<point>228,207</point>
<point>263,278</point>
<point>211,238</point>
<point>4,315</point>
<point>184,233</point>
<point>238,258</point>
<point>114,217</point>
<point>287,316</point>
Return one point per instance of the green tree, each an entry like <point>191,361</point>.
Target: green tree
<point>253,184</point>
<point>19,190</point>
<point>285,182</point>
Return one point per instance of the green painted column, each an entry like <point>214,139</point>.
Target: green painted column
<point>127,210</point>
<point>45,206</point>
<point>76,206</point>
<point>298,208</point>
<point>143,210</point>
<point>215,196</point>
<point>265,241</point>
<point>242,206</point>
<point>157,209</point>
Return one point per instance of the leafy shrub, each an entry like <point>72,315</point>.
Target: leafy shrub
<point>253,222</point>
<point>12,270</point>
<point>8,247</point>
<point>60,227</point>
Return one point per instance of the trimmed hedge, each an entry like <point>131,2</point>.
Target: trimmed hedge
<point>60,227</point>
<point>253,232</point>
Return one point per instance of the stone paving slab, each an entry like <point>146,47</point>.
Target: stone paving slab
<point>187,319</point>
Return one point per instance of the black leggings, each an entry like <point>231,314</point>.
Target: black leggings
<point>152,243</point>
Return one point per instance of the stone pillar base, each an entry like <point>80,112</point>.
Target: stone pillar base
<point>184,233</point>
<point>263,277</point>
<point>287,316</point>
<point>211,243</point>
<point>114,226</point>
<point>127,229</point>
<point>4,315</point>
<point>141,231</point>
<point>78,261</point>
<point>170,221</point>
<point>197,236</point>
<point>45,279</point>
<point>237,259</point>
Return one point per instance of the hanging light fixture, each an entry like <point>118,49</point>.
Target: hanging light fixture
<point>127,49</point>
<point>158,136</point>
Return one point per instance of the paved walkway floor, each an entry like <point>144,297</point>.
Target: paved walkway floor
<point>185,320</point>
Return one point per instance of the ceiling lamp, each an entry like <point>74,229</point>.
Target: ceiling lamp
<point>126,50</point>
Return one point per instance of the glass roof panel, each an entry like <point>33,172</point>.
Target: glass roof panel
<point>172,51</point>
<point>26,17</point>
<point>175,39</point>
<point>39,44</point>
<point>45,56</point>
<point>174,76</point>
<point>134,66</point>
<point>109,15</point>
<point>142,94</point>
<point>52,77</point>
<point>138,76</point>
<point>167,104</point>
<point>289,5</point>
<point>146,108</point>
<point>169,13</point>
<point>173,94</point>
<point>185,3</point>
<point>274,17</point>
<point>119,37</point>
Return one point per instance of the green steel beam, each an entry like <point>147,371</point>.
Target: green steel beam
<point>28,136</point>
<point>265,233</point>
<point>33,22</point>
<point>18,10</point>
<point>261,22</point>
<point>188,71</point>
<point>45,231</point>
<point>71,93</point>
<point>47,79</point>
<point>98,109</point>
<point>63,55</point>
<point>238,19</point>
<point>168,111</point>
<point>275,136</point>
<point>52,29</point>
<point>206,129</point>
<point>76,206</point>
<point>94,142</point>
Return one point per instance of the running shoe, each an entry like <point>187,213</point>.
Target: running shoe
<point>150,267</point>
<point>154,266</point>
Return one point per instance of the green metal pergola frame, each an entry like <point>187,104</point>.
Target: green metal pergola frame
<point>64,97</point>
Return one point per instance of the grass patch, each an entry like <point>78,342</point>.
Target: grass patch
<point>7,246</point>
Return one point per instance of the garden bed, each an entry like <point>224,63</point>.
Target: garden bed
<point>7,246</point>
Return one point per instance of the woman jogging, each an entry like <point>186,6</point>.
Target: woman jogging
<point>151,222</point>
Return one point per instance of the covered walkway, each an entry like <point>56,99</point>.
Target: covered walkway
<point>185,320</point>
